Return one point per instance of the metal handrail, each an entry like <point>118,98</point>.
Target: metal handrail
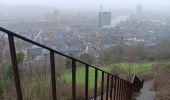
<point>114,84</point>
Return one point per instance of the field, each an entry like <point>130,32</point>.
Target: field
<point>129,68</point>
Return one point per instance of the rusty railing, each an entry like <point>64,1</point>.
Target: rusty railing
<point>116,88</point>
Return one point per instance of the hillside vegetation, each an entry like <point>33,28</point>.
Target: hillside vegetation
<point>129,68</point>
<point>163,81</point>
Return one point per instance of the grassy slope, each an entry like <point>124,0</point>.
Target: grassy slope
<point>135,68</point>
<point>80,73</point>
<point>80,76</point>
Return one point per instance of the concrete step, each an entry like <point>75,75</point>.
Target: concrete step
<point>147,93</point>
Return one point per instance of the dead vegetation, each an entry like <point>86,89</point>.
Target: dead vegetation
<point>162,81</point>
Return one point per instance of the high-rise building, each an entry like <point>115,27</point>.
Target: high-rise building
<point>56,16</point>
<point>139,9</point>
<point>104,19</point>
<point>48,18</point>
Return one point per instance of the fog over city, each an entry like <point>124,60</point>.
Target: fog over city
<point>92,4</point>
<point>77,48</point>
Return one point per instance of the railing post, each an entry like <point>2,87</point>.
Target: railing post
<point>125,98</point>
<point>86,82</point>
<point>15,66</point>
<point>107,87</point>
<point>52,62</point>
<point>102,85</point>
<point>115,88</point>
<point>73,79</point>
<point>131,89</point>
<point>128,91</point>
<point>121,89</point>
<point>95,84</point>
<point>117,94</point>
<point>111,91</point>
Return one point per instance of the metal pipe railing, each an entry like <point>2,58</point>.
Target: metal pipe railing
<point>116,88</point>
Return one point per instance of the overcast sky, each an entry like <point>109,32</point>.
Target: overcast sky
<point>92,4</point>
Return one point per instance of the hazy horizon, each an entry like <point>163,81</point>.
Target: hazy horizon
<point>95,4</point>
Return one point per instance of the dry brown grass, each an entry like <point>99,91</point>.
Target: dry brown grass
<point>162,80</point>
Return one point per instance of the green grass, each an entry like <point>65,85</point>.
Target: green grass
<point>129,68</point>
<point>80,75</point>
<point>134,68</point>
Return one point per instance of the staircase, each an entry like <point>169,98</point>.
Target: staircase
<point>116,88</point>
<point>147,93</point>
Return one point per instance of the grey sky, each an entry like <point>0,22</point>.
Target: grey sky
<point>91,3</point>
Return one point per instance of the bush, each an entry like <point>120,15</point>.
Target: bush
<point>4,82</point>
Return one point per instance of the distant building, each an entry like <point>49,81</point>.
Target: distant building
<point>48,18</point>
<point>104,19</point>
<point>33,52</point>
<point>139,9</point>
<point>56,16</point>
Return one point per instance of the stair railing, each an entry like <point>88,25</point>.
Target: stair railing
<point>115,88</point>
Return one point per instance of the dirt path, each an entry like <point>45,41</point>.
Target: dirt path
<point>147,92</point>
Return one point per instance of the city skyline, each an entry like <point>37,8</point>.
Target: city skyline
<point>95,4</point>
